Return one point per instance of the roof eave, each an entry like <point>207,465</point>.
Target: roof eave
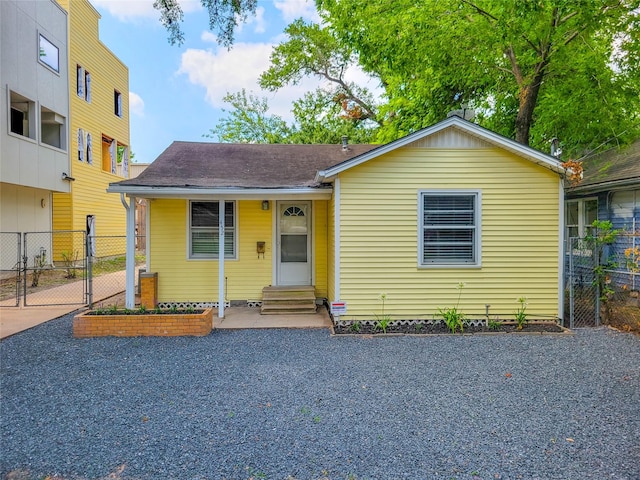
<point>604,186</point>
<point>312,193</point>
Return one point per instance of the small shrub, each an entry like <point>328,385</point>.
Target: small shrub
<point>39,265</point>
<point>355,326</point>
<point>382,322</point>
<point>521,314</point>
<point>69,260</point>
<point>494,324</point>
<point>452,317</point>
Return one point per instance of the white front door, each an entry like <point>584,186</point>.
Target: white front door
<point>294,243</point>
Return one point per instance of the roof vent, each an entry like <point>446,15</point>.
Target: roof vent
<point>345,141</point>
<point>556,151</point>
<point>465,113</point>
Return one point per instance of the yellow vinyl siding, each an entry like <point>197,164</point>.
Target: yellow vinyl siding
<point>319,253</point>
<point>88,192</point>
<point>379,233</point>
<point>331,249</point>
<point>181,279</point>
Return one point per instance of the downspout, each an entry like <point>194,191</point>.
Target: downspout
<point>221,239</point>
<point>130,251</point>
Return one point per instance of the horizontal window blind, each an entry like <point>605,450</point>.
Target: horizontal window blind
<point>205,238</point>
<point>449,228</point>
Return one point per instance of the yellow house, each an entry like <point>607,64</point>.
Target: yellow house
<point>99,134</point>
<point>410,220</point>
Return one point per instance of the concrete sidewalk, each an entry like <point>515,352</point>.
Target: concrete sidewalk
<point>55,302</point>
<point>16,319</point>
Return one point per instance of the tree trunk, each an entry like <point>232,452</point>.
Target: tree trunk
<point>528,100</point>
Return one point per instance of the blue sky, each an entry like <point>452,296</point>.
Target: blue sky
<point>175,91</point>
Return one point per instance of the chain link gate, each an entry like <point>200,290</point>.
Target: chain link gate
<point>10,268</point>
<point>582,303</point>
<point>55,268</point>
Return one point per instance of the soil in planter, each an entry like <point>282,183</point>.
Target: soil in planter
<point>441,328</point>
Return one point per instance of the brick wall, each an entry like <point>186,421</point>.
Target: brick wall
<point>158,325</point>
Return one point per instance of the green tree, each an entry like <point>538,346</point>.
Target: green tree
<point>533,70</point>
<point>316,120</point>
<point>248,122</point>
<point>224,16</point>
<point>312,51</point>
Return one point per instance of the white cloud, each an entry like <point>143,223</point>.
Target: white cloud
<point>136,104</point>
<point>258,22</point>
<point>225,71</point>
<point>292,9</point>
<point>131,10</point>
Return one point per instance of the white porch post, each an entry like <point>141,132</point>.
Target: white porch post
<point>221,204</point>
<point>130,273</point>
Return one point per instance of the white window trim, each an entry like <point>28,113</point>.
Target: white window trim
<point>213,257</point>
<point>80,145</point>
<point>42,62</point>
<point>478,227</point>
<point>582,225</point>
<point>87,86</point>
<point>80,81</point>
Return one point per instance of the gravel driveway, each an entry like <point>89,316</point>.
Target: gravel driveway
<point>299,404</point>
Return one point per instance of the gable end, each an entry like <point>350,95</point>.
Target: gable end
<point>451,138</point>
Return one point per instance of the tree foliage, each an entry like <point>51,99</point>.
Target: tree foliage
<point>249,122</point>
<point>315,121</point>
<point>224,16</point>
<point>534,70</point>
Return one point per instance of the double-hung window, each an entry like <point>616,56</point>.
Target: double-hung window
<point>204,238</point>
<point>449,228</point>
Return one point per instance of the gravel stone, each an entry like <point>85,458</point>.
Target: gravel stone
<point>300,404</point>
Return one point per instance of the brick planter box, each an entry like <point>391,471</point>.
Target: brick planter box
<point>149,324</point>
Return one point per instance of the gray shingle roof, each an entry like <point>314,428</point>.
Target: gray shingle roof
<point>210,165</point>
<point>612,167</point>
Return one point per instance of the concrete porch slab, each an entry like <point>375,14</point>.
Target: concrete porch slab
<point>250,317</point>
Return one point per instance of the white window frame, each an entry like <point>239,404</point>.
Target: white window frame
<point>476,227</point>
<point>582,225</point>
<point>80,145</point>
<point>117,103</point>
<point>80,81</point>
<point>213,229</point>
<point>89,149</point>
<point>53,129</point>
<point>42,58</point>
<point>27,107</point>
<point>87,86</point>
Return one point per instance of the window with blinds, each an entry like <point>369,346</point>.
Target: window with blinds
<point>204,238</point>
<point>450,225</point>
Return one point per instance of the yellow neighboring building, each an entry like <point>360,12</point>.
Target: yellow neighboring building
<point>453,203</point>
<point>99,132</point>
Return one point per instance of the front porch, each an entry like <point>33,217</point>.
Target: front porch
<point>250,317</point>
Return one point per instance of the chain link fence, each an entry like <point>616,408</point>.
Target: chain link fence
<point>10,266</point>
<point>581,296</point>
<point>53,268</point>
<point>603,282</point>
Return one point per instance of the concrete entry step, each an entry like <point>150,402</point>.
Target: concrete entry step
<point>288,300</point>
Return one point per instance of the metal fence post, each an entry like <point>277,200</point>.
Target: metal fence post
<point>89,270</point>
<point>596,264</point>
<point>571,284</point>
